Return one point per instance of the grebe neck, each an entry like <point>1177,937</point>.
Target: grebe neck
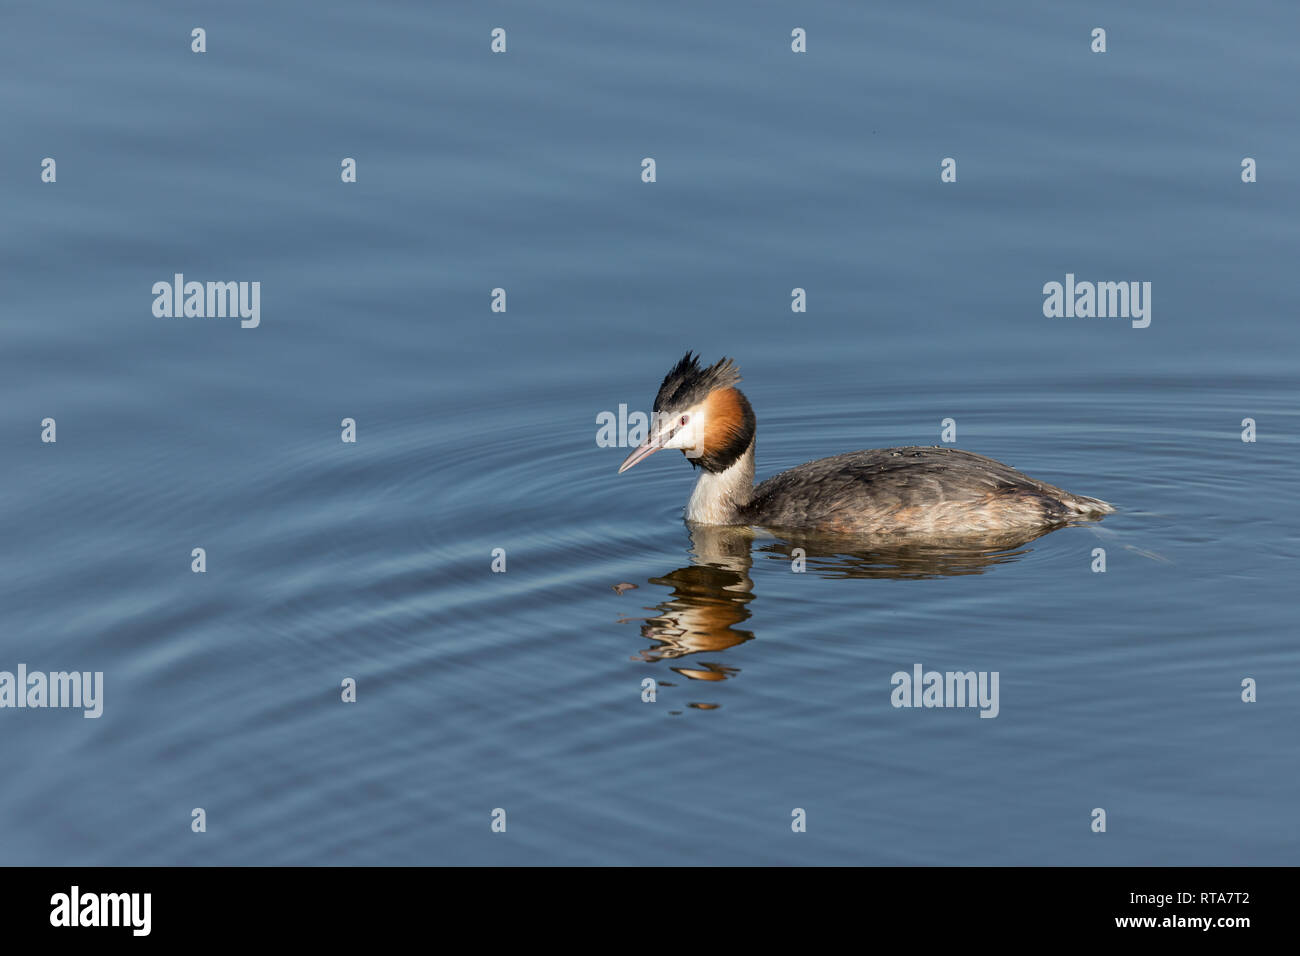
<point>719,496</point>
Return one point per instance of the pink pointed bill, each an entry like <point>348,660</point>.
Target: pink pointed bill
<point>641,452</point>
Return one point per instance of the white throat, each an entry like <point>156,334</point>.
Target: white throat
<point>717,498</point>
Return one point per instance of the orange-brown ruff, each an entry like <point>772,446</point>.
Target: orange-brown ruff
<point>935,491</point>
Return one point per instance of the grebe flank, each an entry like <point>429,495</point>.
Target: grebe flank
<point>912,490</point>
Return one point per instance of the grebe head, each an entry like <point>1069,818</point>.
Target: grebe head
<point>699,411</point>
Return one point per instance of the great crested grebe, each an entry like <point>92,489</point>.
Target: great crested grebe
<point>913,490</point>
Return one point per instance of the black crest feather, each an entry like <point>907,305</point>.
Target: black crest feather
<point>689,383</point>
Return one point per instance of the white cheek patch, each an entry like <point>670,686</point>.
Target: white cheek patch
<point>688,439</point>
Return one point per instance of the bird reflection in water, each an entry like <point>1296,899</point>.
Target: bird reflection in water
<point>710,597</point>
